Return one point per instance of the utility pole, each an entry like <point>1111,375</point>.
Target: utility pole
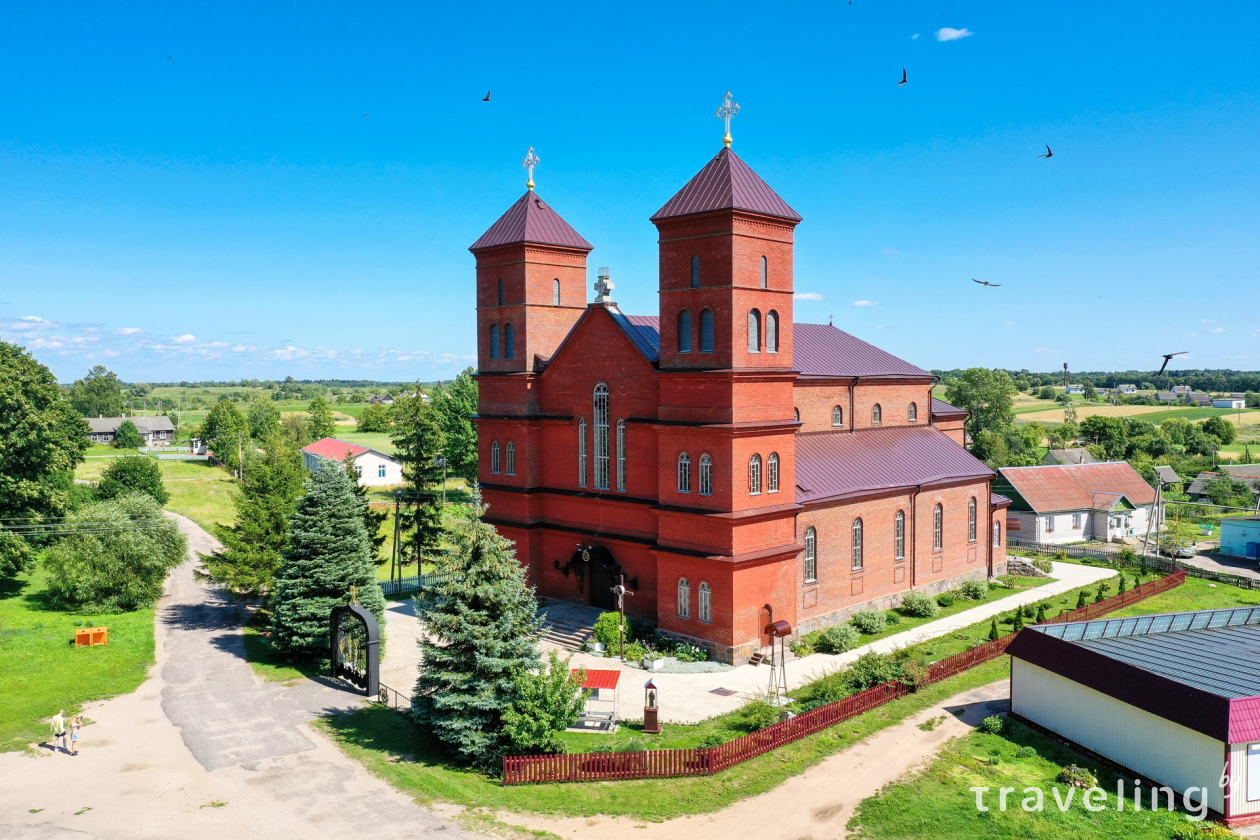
<point>240,465</point>
<point>394,555</point>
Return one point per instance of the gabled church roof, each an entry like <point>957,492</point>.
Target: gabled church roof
<point>531,219</point>
<point>726,183</point>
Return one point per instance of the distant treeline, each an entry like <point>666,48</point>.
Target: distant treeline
<point>272,384</point>
<point>1199,380</point>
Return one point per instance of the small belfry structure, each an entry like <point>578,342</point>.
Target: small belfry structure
<point>731,467</point>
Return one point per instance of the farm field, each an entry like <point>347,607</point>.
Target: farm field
<point>1154,413</point>
<point>374,440</point>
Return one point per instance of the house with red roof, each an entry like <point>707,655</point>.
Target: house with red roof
<point>374,468</point>
<point>1063,503</point>
<point>733,467</point>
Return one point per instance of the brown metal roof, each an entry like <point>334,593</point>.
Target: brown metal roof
<point>1059,487</point>
<point>823,350</point>
<point>940,408</point>
<point>531,219</point>
<point>837,464</point>
<point>998,500</point>
<point>726,183</point>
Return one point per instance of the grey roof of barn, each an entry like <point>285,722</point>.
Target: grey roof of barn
<point>1168,474</point>
<point>726,183</point>
<point>1070,456</point>
<point>1195,488</point>
<point>530,219</point>
<point>109,425</point>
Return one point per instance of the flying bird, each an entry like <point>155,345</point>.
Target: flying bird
<point>168,55</point>
<point>1048,154</point>
<point>365,115</point>
<point>985,283</point>
<point>486,98</point>
<point>904,77</point>
<point>1168,358</point>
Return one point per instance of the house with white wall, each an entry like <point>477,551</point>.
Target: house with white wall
<point>1066,503</point>
<point>374,468</point>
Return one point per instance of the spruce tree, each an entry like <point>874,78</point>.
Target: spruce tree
<point>418,439</point>
<point>1041,613</point>
<point>994,635</point>
<point>1019,620</point>
<point>328,557</point>
<point>481,631</point>
<point>1080,599</point>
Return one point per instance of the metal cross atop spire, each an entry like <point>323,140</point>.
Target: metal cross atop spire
<point>531,160</point>
<point>604,286</point>
<point>729,109</point>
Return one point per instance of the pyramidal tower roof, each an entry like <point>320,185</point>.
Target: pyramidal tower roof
<point>532,220</point>
<point>726,183</point>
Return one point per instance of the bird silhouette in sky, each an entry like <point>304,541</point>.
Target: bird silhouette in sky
<point>168,55</point>
<point>365,115</point>
<point>1048,154</point>
<point>486,98</point>
<point>1168,358</point>
<point>985,283</point>
<point>904,77</point>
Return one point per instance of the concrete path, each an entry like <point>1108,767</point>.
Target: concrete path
<point>689,698</point>
<point>1240,566</point>
<point>206,750</point>
<point>817,803</point>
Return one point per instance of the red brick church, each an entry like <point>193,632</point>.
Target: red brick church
<point>734,466</point>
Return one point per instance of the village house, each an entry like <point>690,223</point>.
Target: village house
<point>1074,503</point>
<point>1076,389</point>
<point>733,467</point>
<point>1069,456</point>
<point>1128,389</point>
<point>373,468</point>
<point>156,431</point>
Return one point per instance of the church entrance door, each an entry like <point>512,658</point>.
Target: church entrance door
<point>605,574</point>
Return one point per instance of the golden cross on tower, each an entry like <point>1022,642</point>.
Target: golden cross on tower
<point>531,160</point>
<point>729,109</point>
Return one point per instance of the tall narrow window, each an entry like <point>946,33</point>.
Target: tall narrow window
<point>997,533</point>
<point>938,524</point>
<point>796,414</point>
<point>764,275</point>
<point>706,475</point>
<point>877,414</point>
<point>511,458</point>
<point>971,519</point>
<point>772,332</point>
<point>500,293</point>
<point>772,473</point>
<point>684,473</point>
<point>857,544</point>
<point>695,272</point>
<point>509,341</point>
<point>811,556</point>
<point>555,292</point>
<point>1049,524</point>
<point>601,436</point>
<point>913,414</point>
<point>684,598</point>
<point>621,455</point>
<point>837,416</point>
<point>582,452</point>
<point>684,331</point>
<point>754,475</point>
<point>494,341</point>
<point>706,331</point>
<point>754,331</point>
<point>494,457</point>
<point>899,536</point>
<point>706,602</point>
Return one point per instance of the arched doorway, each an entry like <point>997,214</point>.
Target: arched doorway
<point>765,618</point>
<point>603,573</point>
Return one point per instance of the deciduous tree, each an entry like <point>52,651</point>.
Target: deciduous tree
<point>127,436</point>
<point>224,431</point>
<point>322,424</point>
<point>455,405</point>
<point>98,394</point>
<point>1221,429</point>
<point>263,417</point>
<point>135,474</point>
<point>543,705</point>
<point>375,418</point>
<point>989,396</point>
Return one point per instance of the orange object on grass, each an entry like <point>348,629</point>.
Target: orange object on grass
<point>91,636</point>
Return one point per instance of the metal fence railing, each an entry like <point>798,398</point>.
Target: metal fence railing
<point>1146,561</point>
<point>394,699</point>
<point>705,761</point>
<point>406,586</point>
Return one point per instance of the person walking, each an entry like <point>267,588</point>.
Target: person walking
<point>74,734</point>
<point>59,730</point>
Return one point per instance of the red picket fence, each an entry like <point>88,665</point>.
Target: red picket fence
<point>705,761</point>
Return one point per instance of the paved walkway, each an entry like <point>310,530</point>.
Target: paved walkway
<point>689,698</point>
<point>204,750</point>
<point>1240,566</point>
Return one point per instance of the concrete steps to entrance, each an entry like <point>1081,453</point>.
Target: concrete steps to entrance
<point>568,626</point>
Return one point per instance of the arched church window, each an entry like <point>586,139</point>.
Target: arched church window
<point>764,275</point>
<point>754,475</point>
<point>511,458</point>
<point>877,414</point>
<point>938,526</point>
<point>601,436</point>
<point>971,519</point>
<point>494,457</point>
<point>706,602</point>
<point>754,331</point>
<point>706,331</point>
<point>684,473</point>
<point>684,331</point>
<point>899,536</point>
<point>772,473</point>
<point>582,452</point>
<point>913,414</point>
<point>621,455</point>
<point>509,341</point>
<point>837,416</point>
<point>555,292</point>
<point>772,332</point>
<point>706,475</point>
<point>857,544</point>
<point>695,272</point>
<point>811,555</point>
<point>494,341</point>
<point>684,598</point>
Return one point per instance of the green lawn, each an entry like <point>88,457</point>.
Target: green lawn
<point>1194,594</point>
<point>375,440</point>
<point>91,469</point>
<point>42,671</point>
<point>206,502</point>
<point>390,746</point>
<point>936,802</point>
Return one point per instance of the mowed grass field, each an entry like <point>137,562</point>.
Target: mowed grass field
<point>199,490</point>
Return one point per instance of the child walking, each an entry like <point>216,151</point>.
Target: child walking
<point>74,734</point>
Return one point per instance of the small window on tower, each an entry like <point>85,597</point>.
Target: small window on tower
<point>684,473</point>
<point>500,293</point>
<point>772,473</point>
<point>555,292</point>
<point>837,416</point>
<point>695,272</point>
<point>706,331</point>
<point>764,276</point>
<point>796,414</point>
<point>509,341</point>
<point>494,341</point>
<point>684,332</point>
<point>511,458</point>
<point>494,457</point>
<point>877,414</point>
<point>913,414</point>
<point>754,331</point>
<point>706,475</point>
<point>772,332</point>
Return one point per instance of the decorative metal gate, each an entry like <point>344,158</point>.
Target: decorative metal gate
<point>356,648</point>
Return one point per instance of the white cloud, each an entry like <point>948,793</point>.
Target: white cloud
<point>879,326</point>
<point>44,344</point>
<point>1008,323</point>
<point>891,251</point>
<point>1044,350</point>
<point>1191,335</point>
<point>948,33</point>
<point>187,338</point>
<point>807,296</point>
<point>864,303</point>
<point>914,37</point>
<point>1219,329</point>
<point>28,322</point>
<point>127,331</point>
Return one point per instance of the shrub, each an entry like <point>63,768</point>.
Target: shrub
<point>1041,564</point>
<point>684,652</point>
<point>607,630</point>
<point>1029,610</point>
<point>758,714</point>
<point>919,605</point>
<point>838,638</point>
<point>973,590</point>
<point>993,725</point>
<point>632,745</point>
<point>869,621</point>
<point>1041,612</point>
<point>634,651</point>
<point>801,647</point>
<point>994,635</point>
<point>892,617</point>
<point>1080,600</point>
<point>1025,752</point>
<point>945,599</point>
<point>131,475</point>
<point>712,740</point>
<point>128,436</point>
<point>872,669</point>
<point>1126,556</point>
<point>1074,776</point>
<point>542,706</point>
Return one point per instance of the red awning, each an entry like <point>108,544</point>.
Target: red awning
<point>599,679</point>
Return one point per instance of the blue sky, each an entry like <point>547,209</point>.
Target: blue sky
<point>229,212</point>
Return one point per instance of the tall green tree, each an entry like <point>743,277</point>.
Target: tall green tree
<point>373,518</point>
<point>328,560</point>
<point>322,424</point>
<point>225,432</point>
<point>99,394</point>
<point>418,440</point>
<point>1221,429</point>
<point>482,628</point>
<point>455,405</point>
<point>543,705</point>
<point>263,417</point>
<point>1110,433</point>
<point>42,439</point>
<point>127,436</point>
<point>249,561</point>
<point>135,474</point>
<point>988,394</point>
<point>375,418</point>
